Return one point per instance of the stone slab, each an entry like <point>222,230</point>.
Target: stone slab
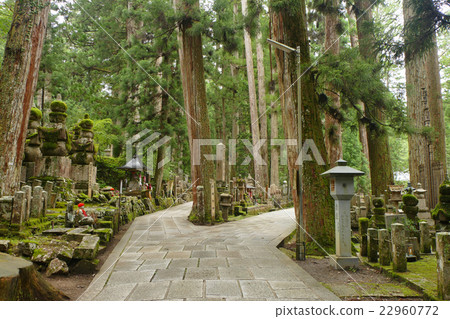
<point>222,288</point>
<point>185,289</point>
<point>149,291</point>
<point>88,248</point>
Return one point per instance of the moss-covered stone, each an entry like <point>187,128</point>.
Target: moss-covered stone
<point>410,200</point>
<point>35,114</point>
<point>378,202</point>
<point>58,106</point>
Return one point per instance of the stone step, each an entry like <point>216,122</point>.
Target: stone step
<point>88,248</point>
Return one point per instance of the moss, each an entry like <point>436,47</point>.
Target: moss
<point>444,198</point>
<point>444,188</point>
<point>49,145</point>
<point>60,205</point>
<point>378,202</point>
<point>410,200</point>
<point>86,124</point>
<point>35,114</point>
<point>58,106</point>
<point>379,211</point>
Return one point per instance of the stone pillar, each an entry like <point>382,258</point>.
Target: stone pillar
<point>443,264</point>
<point>19,206</point>
<point>221,162</point>
<point>363,226</point>
<point>372,245</point>
<point>44,203</point>
<point>27,190</point>
<point>48,187</point>
<point>425,238</point>
<point>70,216</point>
<point>175,187</point>
<point>36,202</point>
<point>213,200</point>
<point>384,247</point>
<point>201,201</point>
<point>36,183</point>
<point>398,247</point>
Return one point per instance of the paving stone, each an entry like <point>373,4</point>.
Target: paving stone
<point>203,254</point>
<point>130,256</point>
<point>256,289</point>
<point>125,277</point>
<point>154,264</point>
<point>234,273</point>
<point>277,285</point>
<point>213,262</point>
<point>202,273</point>
<point>268,263</point>
<point>169,274</point>
<point>150,249</point>
<point>173,248</point>
<point>183,262</point>
<point>150,291</point>
<point>128,265</point>
<point>240,262</point>
<point>178,254</point>
<point>185,289</point>
<point>115,293</point>
<point>227,253</point>
<point>154,255</point>
<point>194,247</point>
<point>276,274</point>
<point>237,247</point>
<point>222,288</point>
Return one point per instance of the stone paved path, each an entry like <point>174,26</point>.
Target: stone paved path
<point>165,257</point>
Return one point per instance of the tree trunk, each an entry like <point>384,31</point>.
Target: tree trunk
<point>235,114</point>
<point>262,110</point>
<point>254,118</point>
<point>377,139</point>
<point>194,92</point>
<point>289,27</point>
<point>333,129</point>
<point>354,43</point>
<point>18,79</point>
<point>427,161</point>
<point>20,281</point>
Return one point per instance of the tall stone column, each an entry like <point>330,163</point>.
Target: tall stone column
<point>398,247</point>
<point>443,264</point>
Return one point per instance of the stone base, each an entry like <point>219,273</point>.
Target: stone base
<point>345,262</point>
<point>56,166</point>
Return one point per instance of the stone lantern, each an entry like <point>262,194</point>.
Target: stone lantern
<point>342,190</point>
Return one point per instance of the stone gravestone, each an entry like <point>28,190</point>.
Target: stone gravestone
<point>425,238</point>
<point>398,247</point>
<point>27,190</point>
<point>363,226</point>
<point>372,245</point>
<point>70,215</point>
<point>19,207</point>
<point>384,248</point>
<point>36,202</point>
<point>424,211</point>
<point>44,203</point>
<point>443,264</point>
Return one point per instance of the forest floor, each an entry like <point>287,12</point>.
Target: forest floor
<point>365,283</point>
<point>73,286</point>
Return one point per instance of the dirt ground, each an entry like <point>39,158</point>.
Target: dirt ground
<point>359,279</point>
<point>74,285</point>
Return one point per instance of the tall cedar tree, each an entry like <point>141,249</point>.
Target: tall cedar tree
<point>194,92</point>
<point>18,78</point>
<point>378,141</point>
<point>289,27</point>
<point>427,160</point>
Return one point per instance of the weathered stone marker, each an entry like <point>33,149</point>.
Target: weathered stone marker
<point>443,265</point>
<point>363,226</point>
<point>342,190</point>
<point>425,238</point>
<point>384,247</point>
<point>44,203</point>
<point>398,247</point>
<point>372,245</point>
<point>27,190</point>
<point>19,206</point>
<point>36,202</point>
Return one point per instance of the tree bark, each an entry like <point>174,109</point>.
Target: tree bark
<point>333,129</point>
<point>262,110</point>
<point>194,92</point>
<point>234,73</point>
<point>290,28</point>
<point>18,79</point>
<point>377,139</point>
<point>254,118</point>
<point>427,159</point>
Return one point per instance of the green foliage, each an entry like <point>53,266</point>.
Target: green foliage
<point>6,15</point>
<point>108,172</point>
